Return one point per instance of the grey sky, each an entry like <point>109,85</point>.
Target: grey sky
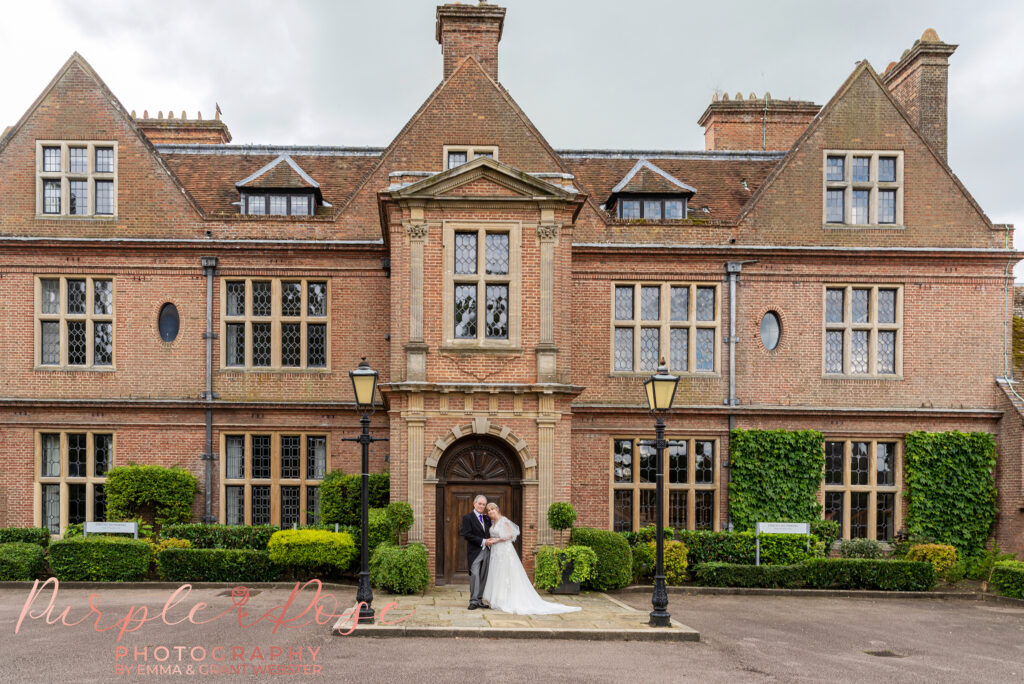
<point>595,74</point>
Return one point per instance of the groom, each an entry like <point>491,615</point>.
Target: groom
<point>476,530</point>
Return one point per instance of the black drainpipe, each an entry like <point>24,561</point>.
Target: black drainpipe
<point>209,270</point>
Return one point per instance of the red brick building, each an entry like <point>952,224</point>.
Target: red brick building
<point>171,298</point>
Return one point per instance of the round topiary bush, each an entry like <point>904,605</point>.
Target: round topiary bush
<point>400,518</point>
<point>561,516</point>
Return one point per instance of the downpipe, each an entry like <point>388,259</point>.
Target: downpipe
<point>733,269</point>
<point>209,270</point>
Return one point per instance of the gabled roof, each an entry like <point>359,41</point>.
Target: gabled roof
<point>76,60</point>
<point>863,68</point>
<point>282,173</point>
<point>646,177</point>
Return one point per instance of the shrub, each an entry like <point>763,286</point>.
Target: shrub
<point>1008,578</point>
<point>827,531</point>
<point>865,573</point>
<point>647,534</point>
<point>550,563</point>
<point>156,547</point>
<point>740,547</point>
<point>339,496</point>
<point>100,559</point>
<point>614,568</point>
<point>774,475</point>
<point>222,536</point>
<point>157,494</point>
<point>561,516</point>
<point>951,492</point>
<point>942,556</point>
<point>861,548</point>
<point>643,562</point>
<point>29,535</point>
<point>980,567</point>
<point>21,561</point>
<point>674,561</point>
<point>312,549</point>
<point>400,518</point>
<point>217,565</point>
<point>735,575</point>
<point>956,572</point>
<point>400,569</point>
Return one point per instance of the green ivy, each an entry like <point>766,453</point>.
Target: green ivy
<point>950,488</point>
<point>160,495</point>
<point>774,476</point>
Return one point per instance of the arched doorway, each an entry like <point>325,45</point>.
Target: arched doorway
<point>477,464</point>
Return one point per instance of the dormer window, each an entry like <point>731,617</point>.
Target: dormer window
<point>457,155</point>
<point>278,204</point>
<point>648,193</point>
<point>281,188</point>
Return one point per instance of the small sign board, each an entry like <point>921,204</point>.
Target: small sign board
<point>778,528</point>
<point>131,528</point>
<point>783,528</point>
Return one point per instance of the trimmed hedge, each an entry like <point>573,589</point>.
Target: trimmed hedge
<point>217,565</point>
<point>774,475</point>
<point>202,536</point>
<point>862,548</point>
<point>339,496</point>
<point>741,548</point>
<point>1008,578</point>
<point>942,556</point>
<point>864,573</point>
<point>100,559</point>
<point>28,535</point>
<point>312,549</point>
<point>400,569</point>
<point>21,561</point>
<point>614,568</point>
<point>951,492</point>
<point>736,575</point>
<point>157,494</point>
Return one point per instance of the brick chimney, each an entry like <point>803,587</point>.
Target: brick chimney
<point>464,30</point>
<point>754,123</point>
<point>183,131</point>
<point>920,83</point>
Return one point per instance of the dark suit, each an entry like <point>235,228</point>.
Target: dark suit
<point>475,534</point>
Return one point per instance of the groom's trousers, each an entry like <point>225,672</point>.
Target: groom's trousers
<point>478,576</point>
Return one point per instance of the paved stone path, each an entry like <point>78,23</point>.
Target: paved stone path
<point>443,611</point>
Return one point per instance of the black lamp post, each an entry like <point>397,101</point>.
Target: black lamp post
<point>364,383</point>
<point>661,390</point>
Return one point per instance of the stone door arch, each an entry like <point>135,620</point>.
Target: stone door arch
<point>476,464</point>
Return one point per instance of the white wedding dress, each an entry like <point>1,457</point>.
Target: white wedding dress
<point>508,587</point>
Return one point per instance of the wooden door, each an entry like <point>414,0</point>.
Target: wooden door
<point>458,502</point>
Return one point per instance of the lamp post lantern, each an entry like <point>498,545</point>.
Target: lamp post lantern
<point>661,390</point>
<point>364,384</point>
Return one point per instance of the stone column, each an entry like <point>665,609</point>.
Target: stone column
<point>546,421</point>
<point>547,234</point>
<point>416,350</point>
<point>415,421</point>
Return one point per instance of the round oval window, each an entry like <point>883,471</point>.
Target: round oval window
<point>770,330</point>
<point>168,322</point>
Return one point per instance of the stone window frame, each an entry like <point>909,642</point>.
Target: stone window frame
<point>65,176</point>
<point>275,481</point>
<point>64,480</point>
<point>471,153</point>
<point>873,326</point>
<point>872,185</point>
<point>872,488</point>
<point>275,319</point>
<point>90,318</point>
<point>665,324</point>
<point>690,486</point>
<point>513,278</point>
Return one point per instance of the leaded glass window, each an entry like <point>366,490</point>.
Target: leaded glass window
<point>687,338</point>
<point>291,298</point>
<point>859,515</point>
<point>72,471</point>
<point>859,207</point>
<point>261,457</point>
<point>289,506</point>
<point>234,455</point>
<point>704,509</point>
<point>102,454</point>
<point>260,505</point>
<point>105,197</point>
<point>887,206</point>
<point>105,160</point>
<point>862,330</point>
<point>261,344</point>
<point>834,457</point>
<point>835,169</point>
<point>280,324</point>
<point>649,349</point>
<point>860,486</point>
<point>456,159</point>
<point>234,344</point>
<point>678,462</point>
<point>497,253</point>
<point>291,344</point>
<point>652,209</point>
<point>835,212</point>
<point>51,455</point>
<point>623,460</point>
<point>629,209</point>
<point>262,304</point>
<point>312,505</point>
<point>677,509</point>
<point>704,462</point>
<point>316,458</point>
<point>679,352</point>
<point>679,303</point>
<point>291,457</point>
<point>623,303</point>
<point>465,253</point>
<point>859,463</point>
<point>51,507</point>
<point>465,311</point>
<point>78,158</point>
<point>51,159</point>
<point>647,469</point>
<point>316,353</point>
<point>497,312</point>
<point>650,303</point>
<point>234,496</point>
<point>316,298</point>
<point>624,349</point>
<point>481,275</point>
<point>622,507</point>
<point>648,507</point>
<point>278,205</point>
<point>78,197</point>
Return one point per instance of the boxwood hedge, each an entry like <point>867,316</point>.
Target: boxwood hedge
<point>737,575</point>
<point>614,560</point>
<point>1008,578</point>
<point>217,565</point>
<point>865,573</point>
<point>400,569</point>
<point>100,559</point>
<point>21,561</point>
<point>29,535</point>
<point>221,536</point>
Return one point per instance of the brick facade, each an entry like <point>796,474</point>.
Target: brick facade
<point>547,394</point>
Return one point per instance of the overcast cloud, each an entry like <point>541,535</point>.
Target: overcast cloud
<point>590,74</point>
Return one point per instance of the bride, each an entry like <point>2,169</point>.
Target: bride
<point>508,587</point>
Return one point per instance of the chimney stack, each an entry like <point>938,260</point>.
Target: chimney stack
<point>197,131</point>
<point>464,30</point>
<point>920,83</point>
<point>754,123</point>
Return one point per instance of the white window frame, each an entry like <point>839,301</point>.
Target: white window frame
<point>65,177</point>
<point>872,185</point>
